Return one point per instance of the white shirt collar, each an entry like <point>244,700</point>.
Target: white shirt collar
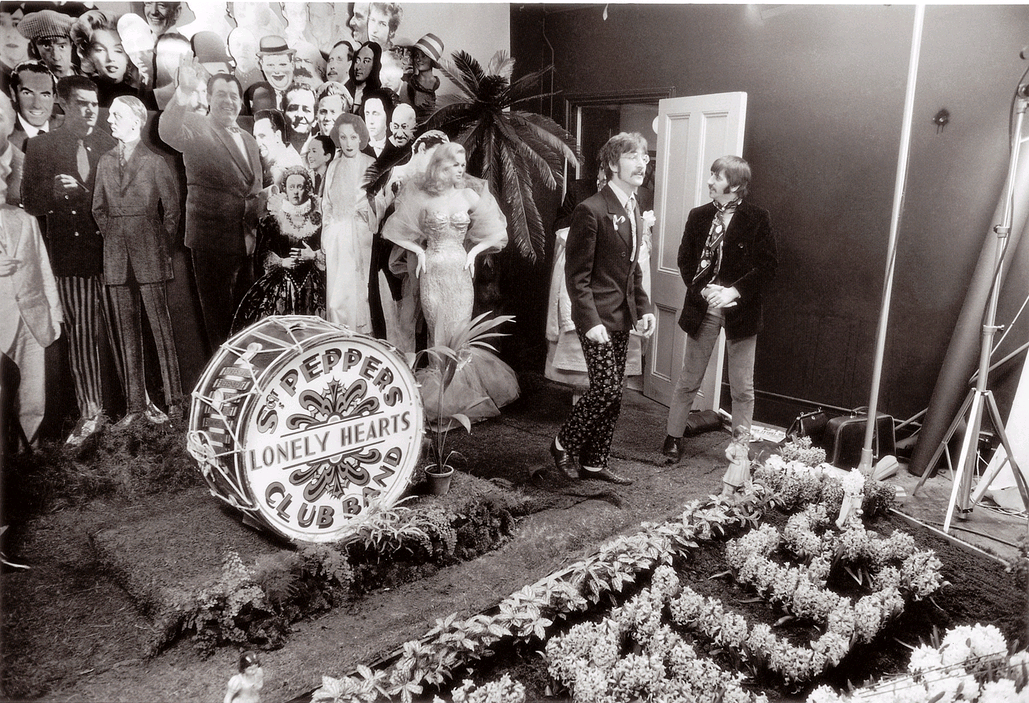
<point>623,197</point>
<point>30,130</point>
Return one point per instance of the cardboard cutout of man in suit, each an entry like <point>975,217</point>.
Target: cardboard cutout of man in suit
<point>727,258</point>
<point>30,309</point>
<point>605,285</point>
<point>133,187</point>
<point>223,173</point>
<point>60,170</point>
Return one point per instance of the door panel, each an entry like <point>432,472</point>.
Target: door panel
<point>692,133</point>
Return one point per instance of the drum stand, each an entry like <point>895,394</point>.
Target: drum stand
<point>981,398</point>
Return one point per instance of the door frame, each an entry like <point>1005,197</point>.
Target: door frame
<point>574,102</point>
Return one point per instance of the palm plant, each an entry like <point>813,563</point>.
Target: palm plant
<point>509,148</point>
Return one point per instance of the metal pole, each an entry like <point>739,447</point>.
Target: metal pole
<point>865,465</point>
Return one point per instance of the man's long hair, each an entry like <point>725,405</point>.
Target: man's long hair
<point>621,143</point>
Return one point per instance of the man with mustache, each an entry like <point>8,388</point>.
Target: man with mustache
<point>605,284</point>
<point>727,259</point>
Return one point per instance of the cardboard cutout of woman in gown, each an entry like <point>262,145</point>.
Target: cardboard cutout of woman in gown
<point>289,250</point>
<point>347,232</point>
<point>447,219</point>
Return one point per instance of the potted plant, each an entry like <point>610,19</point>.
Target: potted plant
<point>443,411</point>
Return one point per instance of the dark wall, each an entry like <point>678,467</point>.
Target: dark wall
<point>826,89</point>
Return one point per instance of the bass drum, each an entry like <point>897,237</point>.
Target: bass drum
<point>303,425</point>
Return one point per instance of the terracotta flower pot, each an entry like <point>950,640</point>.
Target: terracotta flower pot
<point>439,479</point>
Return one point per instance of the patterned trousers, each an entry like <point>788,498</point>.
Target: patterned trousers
<point>86,325</point>
<point>588,431</point>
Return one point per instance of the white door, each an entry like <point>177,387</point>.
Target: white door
<point>691,133</point>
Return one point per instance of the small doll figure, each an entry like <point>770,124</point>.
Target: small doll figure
<point>737,476</point>
<point>245,687</point>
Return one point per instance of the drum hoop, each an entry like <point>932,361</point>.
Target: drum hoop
<point>242,497</point>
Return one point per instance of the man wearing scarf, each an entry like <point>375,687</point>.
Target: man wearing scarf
<point>727,258</point>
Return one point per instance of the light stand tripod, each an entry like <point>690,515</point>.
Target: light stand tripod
<point>981,398</point>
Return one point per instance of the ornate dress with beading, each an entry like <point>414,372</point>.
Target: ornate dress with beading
<point>446,227</point>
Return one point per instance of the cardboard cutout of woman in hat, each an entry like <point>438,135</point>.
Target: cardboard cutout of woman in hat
<point>422,84</point>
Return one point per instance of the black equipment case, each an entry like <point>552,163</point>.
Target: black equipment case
<point>844,438</point>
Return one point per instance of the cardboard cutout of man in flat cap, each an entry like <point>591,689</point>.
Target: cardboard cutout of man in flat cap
<point>49,35</point>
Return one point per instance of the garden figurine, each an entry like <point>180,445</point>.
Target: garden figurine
<point>737,476</point>
<point>245,687</point>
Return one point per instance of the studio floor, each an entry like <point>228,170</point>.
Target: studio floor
<point>989,528</point>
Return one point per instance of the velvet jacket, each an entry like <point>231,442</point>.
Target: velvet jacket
<point>749,260</point>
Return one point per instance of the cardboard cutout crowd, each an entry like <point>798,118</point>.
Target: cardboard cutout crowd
<point>243,131</point>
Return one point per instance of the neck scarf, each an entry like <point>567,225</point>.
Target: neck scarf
<point>711,257</point>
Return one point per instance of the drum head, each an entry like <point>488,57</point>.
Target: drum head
<point>304,425</point>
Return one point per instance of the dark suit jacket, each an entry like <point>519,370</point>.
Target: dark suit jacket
<point>127,206</point>
<point>18,136</point>
<point>604,280</point>
<point>72,237</point>
<point>749,260</point>
<point>221,184</point>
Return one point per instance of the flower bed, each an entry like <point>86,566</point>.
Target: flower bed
<point>669,642</point>
<point>971,663</point>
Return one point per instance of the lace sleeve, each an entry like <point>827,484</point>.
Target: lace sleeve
<point>405,224</point>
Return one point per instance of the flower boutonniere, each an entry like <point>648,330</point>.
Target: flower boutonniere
<point>618,219</point>
<point>648,220</point>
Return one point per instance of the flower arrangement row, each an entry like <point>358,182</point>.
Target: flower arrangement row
<point>632,655</point>
<point>757,644</point>
<point>970,663</point>
<point>533,613</point>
